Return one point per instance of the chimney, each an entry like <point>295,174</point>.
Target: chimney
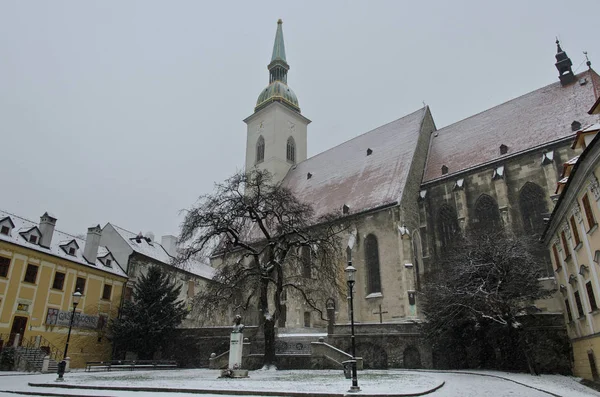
<point>47,224</point>
<point>92,242</point>
<point>169,243</point>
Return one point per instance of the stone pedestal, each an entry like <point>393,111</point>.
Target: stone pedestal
<point>235,350</point>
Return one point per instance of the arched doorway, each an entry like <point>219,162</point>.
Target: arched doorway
<point>412,357</point>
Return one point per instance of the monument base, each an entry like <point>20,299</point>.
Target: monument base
<point>234,373</point>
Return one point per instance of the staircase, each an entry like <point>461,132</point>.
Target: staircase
<point>32,359</point>
<point>30,355</point>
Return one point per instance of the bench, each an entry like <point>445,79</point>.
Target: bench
<point>129,365</point>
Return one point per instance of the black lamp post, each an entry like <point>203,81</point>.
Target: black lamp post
<point>350,278</point>
<point>63,364</point>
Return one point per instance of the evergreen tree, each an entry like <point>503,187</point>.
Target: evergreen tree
<point>146,321</point>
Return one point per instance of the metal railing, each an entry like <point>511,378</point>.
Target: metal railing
<point>45,346</point>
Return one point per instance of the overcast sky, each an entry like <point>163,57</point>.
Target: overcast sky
<point>127,111</point>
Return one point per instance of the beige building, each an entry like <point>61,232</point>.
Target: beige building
<point>573,241</point>
<point>40,269</point>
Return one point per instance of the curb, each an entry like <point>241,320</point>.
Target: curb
<point>219,391</point>
<point>490,376</point>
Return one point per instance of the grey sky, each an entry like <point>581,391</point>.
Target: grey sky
<point>127,111</point>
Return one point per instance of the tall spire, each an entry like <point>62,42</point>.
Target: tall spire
<point>278,67</point>
<point>563,64</point>
<point>279,46</point>
<point>278,90</point>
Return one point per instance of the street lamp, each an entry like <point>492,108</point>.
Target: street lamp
<point>350,279</point>
<point>63,364</point>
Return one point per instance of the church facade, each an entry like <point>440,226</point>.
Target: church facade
<point>409,189</point>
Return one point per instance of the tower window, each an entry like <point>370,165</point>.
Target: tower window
<point>291,150</point>
<point>260,150</point>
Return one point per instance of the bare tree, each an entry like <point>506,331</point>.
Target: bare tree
<point>481,292</point>
<point>264,242</point>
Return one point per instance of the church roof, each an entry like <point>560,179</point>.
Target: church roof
<point>529,121</point>
<point>364,173</point>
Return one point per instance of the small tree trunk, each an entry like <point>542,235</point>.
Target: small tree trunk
<point>269,329</point>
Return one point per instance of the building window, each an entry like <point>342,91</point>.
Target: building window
<point>569,314</point>
<point>80,284</point>
<point>107,263</point>
<point>307,319</point>
<point>71,251</point>
<point>578,303</point>
<point>33,239</point>
<point>487,214</point>
<point>107,291</point>
<point>532,202</point>
<point>372,264</point>
<point>190,291</point>
<point>306,259</point>
<point>575,231</point>
<point>589,215</point>
<point>591,296</point>
<point>5,230</point>
<point>128,294</point>
<point>563,238</point>
<point>59,280</point>
<point>447,226</point>
<point>260,149</point>
<point>4,266</point>
<point>291,150</point>
<point>556,257</point>
<point>31,273</point>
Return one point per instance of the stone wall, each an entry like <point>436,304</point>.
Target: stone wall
<point>385,345</point>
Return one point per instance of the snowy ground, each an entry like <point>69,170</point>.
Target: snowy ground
<point>464,384</point>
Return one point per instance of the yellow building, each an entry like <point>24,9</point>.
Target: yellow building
<point>40,269</point>
<point>573,239</point>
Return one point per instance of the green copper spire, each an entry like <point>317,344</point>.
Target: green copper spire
<point>279,46</point>
<point>278,90</point>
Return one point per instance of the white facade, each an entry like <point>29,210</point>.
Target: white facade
<point>276,123</point>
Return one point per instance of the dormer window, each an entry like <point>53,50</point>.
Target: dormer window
<point>70,247</point>
<point>33,239</point>
<point>575,125</point>
<point>444,170</point>
<point>369,151</point>
<point>6,225</point>
<point>503,149</point>
<point>108,263</point>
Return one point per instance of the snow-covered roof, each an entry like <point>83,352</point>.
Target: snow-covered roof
<point>534,119</point>
<point>155,251</point>
<point>364,173</point>
<point>59,239</point>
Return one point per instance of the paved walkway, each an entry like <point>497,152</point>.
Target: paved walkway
<point>297,383</point>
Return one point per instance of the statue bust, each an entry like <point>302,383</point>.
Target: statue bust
<point>238,327</point>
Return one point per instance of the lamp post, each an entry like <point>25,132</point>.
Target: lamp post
<point>63,364</point>
<point>350,279</point>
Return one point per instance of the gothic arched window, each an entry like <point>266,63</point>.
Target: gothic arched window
<point>372,264</point>
<point>447,225</point>
<point>291,150</point>
<point>532,201</point>
<point>417,256</point>
<point>487,214</point>
<point>307,259</point>
<point>260,149</point>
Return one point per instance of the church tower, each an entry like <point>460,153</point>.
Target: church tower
<point>276,137</point>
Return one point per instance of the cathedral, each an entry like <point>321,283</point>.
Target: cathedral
<point>409,189</point>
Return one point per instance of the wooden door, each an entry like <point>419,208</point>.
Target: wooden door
<point>18,327</point>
